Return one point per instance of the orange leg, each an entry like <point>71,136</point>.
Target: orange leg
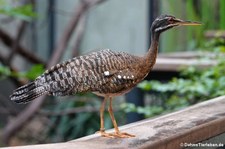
<point>102,109</point>
<point>102,128</point>
<point>117,133</point>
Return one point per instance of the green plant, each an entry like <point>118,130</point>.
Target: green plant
<point>31,74</point>
<point>23,12</point>
<point>205,11</point>
<point>148,111</point>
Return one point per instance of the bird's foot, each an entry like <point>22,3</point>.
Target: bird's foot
<point>116,135</point>
<point>122,135</point>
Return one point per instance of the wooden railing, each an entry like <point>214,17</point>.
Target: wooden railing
<point>176,61</point>
<point>200,125</point>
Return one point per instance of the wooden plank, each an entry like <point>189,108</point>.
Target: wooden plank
<point>184,54</point>
<point>175,64</point>
<point>215,34</point>
<point>189,55</point>
<point>191,125</point>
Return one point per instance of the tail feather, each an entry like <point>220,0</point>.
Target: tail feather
<point>27,93</point>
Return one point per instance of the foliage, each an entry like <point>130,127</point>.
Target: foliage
<point>31,74</point>
<point>210,14</point>
<point>148,111</point>
<point>23,12</point>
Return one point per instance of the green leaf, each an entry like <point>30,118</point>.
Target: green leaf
<point>145,85</point>
<point>23,12</point>
<point>4,70</point>
<point>34,72</point>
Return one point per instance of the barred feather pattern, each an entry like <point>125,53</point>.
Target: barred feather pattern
<point>105,72</point>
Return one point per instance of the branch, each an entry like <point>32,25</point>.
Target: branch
<point>6,106</point>
<point>83,7</point>
<point>13,69</point>
<point>8,41</point>
<point>80,34</point>
<point>71,111</point>
<point>15,45</point>
<point>19,35</point>
<point>18,122</point>
<point>13,126</point>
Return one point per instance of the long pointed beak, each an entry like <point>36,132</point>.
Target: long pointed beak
<point>189,23</point>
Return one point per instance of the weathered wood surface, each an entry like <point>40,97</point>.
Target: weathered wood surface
<point>215,34</point>
<point>176,64</point>
<point>190,125</point>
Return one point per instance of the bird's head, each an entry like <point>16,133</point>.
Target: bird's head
<point>165,22</point>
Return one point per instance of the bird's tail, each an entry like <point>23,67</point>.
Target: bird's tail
<point>27,93</point>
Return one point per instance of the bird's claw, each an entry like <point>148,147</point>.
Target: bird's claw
<point>116,135</point>
<point>122,135</point>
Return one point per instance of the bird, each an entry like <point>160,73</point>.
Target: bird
<point>106,73</point>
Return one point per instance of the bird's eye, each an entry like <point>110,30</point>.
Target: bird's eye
<point>171,20</point>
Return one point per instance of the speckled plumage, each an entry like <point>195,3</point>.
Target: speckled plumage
<point>105,73</point>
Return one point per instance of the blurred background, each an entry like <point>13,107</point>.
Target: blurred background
<point>36,34</point>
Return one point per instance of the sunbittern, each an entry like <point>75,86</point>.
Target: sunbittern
<point>105,73</point>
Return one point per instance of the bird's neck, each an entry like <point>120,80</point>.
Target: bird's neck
<point>150,57</point>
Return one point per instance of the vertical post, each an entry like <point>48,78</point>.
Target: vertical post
<point>51,25</point>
